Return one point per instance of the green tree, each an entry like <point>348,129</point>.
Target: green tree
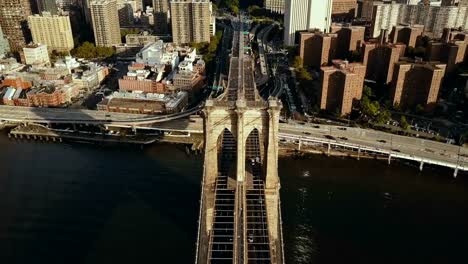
<point>419,109</point>
<point>367,91</point>
<point>383,117</point>
<point>88,51</point>
<point>303,74</point>
<point>369,108</point>
<point>298,62</point>
<point>404,123</point>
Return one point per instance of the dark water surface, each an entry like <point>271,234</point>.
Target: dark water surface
<point>75,203</point>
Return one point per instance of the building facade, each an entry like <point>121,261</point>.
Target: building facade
<point>275,6</point>
<point>13,21</point>
<point>342,83</point>
<point>433,18</point>
<point>36,54</point>
<point>191,21</point>
<point>106,25</point>
<point>303,15</point>
<point>53,30</point>
<point>344,9</point>
<point>47,6</point>
<point>4,46</point>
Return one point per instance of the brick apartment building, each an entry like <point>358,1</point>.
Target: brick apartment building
<point>342,83</point>
<point>380,57</point>
<point>416,83</point>
<point>344,9</point>
<point>407,35</point>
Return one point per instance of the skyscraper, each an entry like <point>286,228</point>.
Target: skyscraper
<point>53,30</point>
<point>306,14</point>
<point>47,6</point>
<point>13,20</point>
<point>161,16</point>
<point>106,25</point>
<point>191,20</point>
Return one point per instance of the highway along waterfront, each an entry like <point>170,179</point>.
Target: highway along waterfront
<point>82,203</point>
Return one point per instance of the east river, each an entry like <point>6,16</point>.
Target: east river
<point>83,203</point>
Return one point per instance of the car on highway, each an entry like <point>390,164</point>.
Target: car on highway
<point>330,137</point>
<point>341,128</point>
<point>382,141</point>
<point>343,138</point>
<point>306,133</point>
<point>396,150</point>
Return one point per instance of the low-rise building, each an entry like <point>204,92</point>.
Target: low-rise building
<point>342,83</point>
<point>158,53</point>
<point>36,54</point>
<point>142,39</point>
<point>52,96</point>
<point>10,65</point>
<point>144,103</point>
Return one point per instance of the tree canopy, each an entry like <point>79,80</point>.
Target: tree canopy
<point>89,51</point>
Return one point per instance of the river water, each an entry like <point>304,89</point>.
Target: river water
<point>80,203</point>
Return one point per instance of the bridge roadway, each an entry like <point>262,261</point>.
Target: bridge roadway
<point>417,148</point>
<point>90,117</point>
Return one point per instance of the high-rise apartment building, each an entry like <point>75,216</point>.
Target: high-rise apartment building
<point>380,59</point>
<point>342,83</point>
<point>433,18</point>
<point>191,21</point>
<point>300,15</point>
<point>344,9</point>
<point>4,46</point>
<point>47,6</point>
<point>275,6</point>
<point>52,30</point>
<point>416,83</point>
<point>317,49</point>
<point>13,21</point>
<point>407,35</point>
<point>350,39</point>
<point>161,16</point>
<point>452,51</point>
<point>106,25</point>
<point>126,9</point>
